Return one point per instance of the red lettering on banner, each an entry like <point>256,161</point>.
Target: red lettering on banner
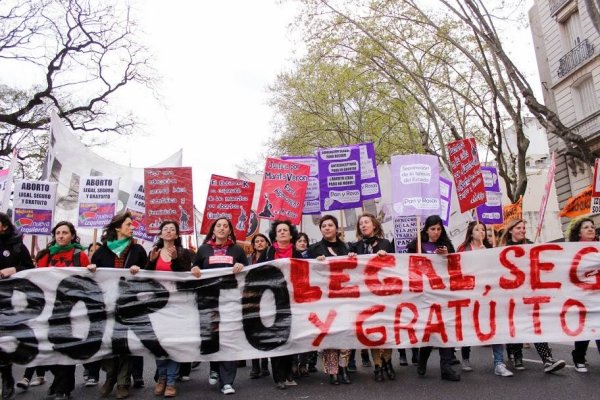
<point>386,287</point>
<point>323,327</point>
<point>458,281</point>
<point>419,266</point>
<point>436,326</point>
<point>458,306</point>
<point>563,317</point>
<point>573,270</point>
<point>511,317</point>
<point>536,301</point>
<point>485,336</point>
<point>410,330</point>
<point>300,278</point>
<point>537,267</point>
<point>337,277</point>
<point>506,283</point>
<point>362,333</point>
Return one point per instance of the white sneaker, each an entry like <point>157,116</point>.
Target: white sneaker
<point>466,366</point>
<point>291,383</point>
<point>213,378</point>
<point>185,378</point>
<point>91,382</point>
<point>23,384</point>
<point>37,381</point>
<point>227,389</point>
<point>580,368</point>
<point>501,370</point>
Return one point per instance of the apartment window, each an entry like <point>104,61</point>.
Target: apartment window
<point>585,100</point>
<point>571,31</point>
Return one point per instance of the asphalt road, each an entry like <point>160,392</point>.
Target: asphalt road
<point>530,384</point>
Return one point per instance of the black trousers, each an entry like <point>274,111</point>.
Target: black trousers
<point>64,378</point>
<point>282,368</point>
<point>446,354</point>
<point>581,350</point>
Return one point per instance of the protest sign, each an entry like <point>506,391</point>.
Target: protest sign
<point>578,205</point>
<point>547,188</point>
<point>527,293</point>
<point>136,205</point>
<point>405,230</point>
<point>311,199</point>
<point>229,198</point>
<point>445,200</point>
<point>466,170</point>
<point>97,201</point>
<point>415,185</point>
<point>369,187</point>
<point>33,206</point>
<point>283,189</point>
<point>6,182</point>
<point>595,203</point>
<point>169,196</point>
<point>339,178</point>
<point>511,212</point>
<point>491,211</point>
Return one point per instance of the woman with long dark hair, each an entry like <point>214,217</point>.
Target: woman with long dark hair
<point>476,238</point>
<point>119,250</point>
<point>220,250</point>
<point>307,362</point>
<point>14,257</point>
<point>335,361</point>
<point>435,240</point>
<point>582,230</point>
<point>515,234</point>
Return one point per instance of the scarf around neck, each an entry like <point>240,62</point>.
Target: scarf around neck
<point>118,246</point>
<point>283,252</point>
<point>56,248</point>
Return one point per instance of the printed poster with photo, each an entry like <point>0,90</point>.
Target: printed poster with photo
<point>33,206</point>
<point>98,197</point>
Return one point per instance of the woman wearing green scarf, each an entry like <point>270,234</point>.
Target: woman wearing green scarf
<point>118,250</point>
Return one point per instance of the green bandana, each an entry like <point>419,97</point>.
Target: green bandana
<point>118,246</point>
<point>56,248</point>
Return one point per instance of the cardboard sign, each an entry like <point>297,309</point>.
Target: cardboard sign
<point>98,197</point>
<point>466,170</point>
<point>33,205</point>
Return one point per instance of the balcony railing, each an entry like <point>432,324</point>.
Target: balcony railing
<point>556,5</point>
<point>575,57</point>
<point>588,127</point>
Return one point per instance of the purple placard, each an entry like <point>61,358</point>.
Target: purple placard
<point>339,178</point>
<point>445,200</point>
<point>369,187</point>
<point>415,185</point>
<point>33,222</point>
<point>491,211</point>
<point>139,227</point>
<point>490,179</point>
<point>405,230</point>
<point>95,215</point>
<point>311,201</point>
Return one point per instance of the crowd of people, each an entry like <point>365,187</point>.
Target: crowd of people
<point>118,249</point>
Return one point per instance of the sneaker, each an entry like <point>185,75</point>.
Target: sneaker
<point>91,382</point>
<point>62,396</point>
<point>280,385</point>
<point>290,382</point>
<point>466,366</point>
<point>37,381</point>
<point>366,363</point>
<point>227,389</point>
<point>552,365</point>
<point>138,383</point>
<point>213,378</point>
<point>185,378</point>
<point>23,384</point>
<point>518,364</point>
<point>501,370</point>
<point>578,367</point>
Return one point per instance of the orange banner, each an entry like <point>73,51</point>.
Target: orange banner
<point>511,212</point>
<point>578,205</point>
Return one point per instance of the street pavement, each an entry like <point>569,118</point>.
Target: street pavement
<point>530,384</point>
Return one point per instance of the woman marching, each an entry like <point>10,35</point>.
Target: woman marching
<point>63,251</point>
<point>582,230</point>
<point>371,240</point>
<point>14,257</point>
<point>335,361</point>
<point>435,240</point>
<point>168,255</point>
<point>515,235</point>
<point>477,239</point>
<point>118,250</point>
<point>220,250</point>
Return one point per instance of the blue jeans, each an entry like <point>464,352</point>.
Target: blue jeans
<point>167,369</point>
<point>498,350</point>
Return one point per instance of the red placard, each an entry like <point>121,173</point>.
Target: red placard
<point>596,182</point>
<point>466,171</point>
<point>230,198</point>
<point>169,196</point>
<point>283,190</point>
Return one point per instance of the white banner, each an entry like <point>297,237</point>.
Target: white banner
<point>516,294</point>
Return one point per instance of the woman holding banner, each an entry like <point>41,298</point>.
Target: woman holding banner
<point>63,251</point>
<point>307,362</point>
<point>260,243</point>
<point>284,235</point>
<point>515,235</point>
<point>371,240</point>
<point>582,230</point>
<point>435,240</point>
<point>220,250</point>
<point>118,250</point>
<point>14,257</point>
<point>335,361</point>
<point>477,239</point>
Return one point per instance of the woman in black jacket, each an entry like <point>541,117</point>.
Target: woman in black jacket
<point>335,361</point>
<point>119,250</point>
<point>220,250</point>
<point>435,240</point>
<point>14,257</point>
